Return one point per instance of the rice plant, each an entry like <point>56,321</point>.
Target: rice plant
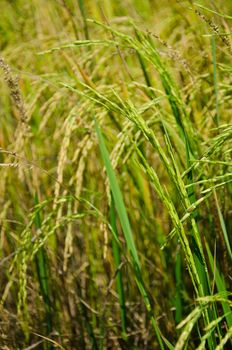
<point>116,171</point>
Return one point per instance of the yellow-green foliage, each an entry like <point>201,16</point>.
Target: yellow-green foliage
<point>115,174</point>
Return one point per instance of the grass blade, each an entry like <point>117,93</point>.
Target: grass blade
<point>221,287</point>
<point>117,261</point>
<point>121,210</point>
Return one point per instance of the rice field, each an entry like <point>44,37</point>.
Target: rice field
<point>116,174</point>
